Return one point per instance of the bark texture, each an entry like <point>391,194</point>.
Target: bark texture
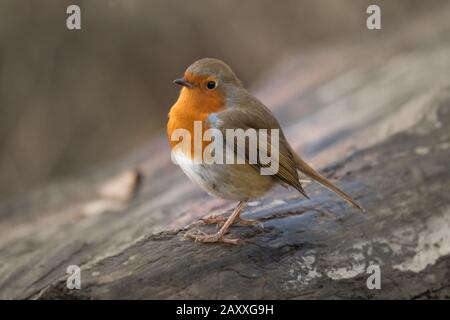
<point>374,116</point>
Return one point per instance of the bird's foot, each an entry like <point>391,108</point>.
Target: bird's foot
<point>214,219</point>
<point>200,236</point>
<point>220,220</point>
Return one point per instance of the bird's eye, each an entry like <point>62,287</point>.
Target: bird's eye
<point>211,85</point>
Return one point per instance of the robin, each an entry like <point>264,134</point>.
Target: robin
<point>212,95</point>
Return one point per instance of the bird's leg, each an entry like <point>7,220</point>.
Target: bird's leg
<point>219,236</point>
<point>214,219</point>
<point>221,219</point>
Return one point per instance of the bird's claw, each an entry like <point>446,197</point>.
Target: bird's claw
<point>219,220</point>
<point>214,219</point>
<point>200,236</point>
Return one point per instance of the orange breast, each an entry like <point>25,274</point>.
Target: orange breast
<point>193,105</point>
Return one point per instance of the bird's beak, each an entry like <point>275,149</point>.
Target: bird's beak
<point>182,82</point>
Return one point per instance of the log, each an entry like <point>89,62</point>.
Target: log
<point>372,116</point>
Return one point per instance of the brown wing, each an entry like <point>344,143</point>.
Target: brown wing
<point>253,114</point>
<point>256,116</point>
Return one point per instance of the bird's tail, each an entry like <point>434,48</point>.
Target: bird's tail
<point>310,172</point>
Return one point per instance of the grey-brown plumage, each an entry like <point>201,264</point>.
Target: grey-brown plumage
<point>244,111</point>
<point>241,110</point>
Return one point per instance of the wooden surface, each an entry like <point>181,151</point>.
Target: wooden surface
<point>374,116</point>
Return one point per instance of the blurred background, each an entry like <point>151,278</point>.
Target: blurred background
<point>71,101</point>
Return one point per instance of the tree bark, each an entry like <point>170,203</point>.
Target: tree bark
<point>373,116</point>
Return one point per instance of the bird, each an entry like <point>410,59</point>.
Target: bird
<point>212,95</point>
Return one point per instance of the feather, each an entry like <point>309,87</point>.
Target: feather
<point>247,112</point>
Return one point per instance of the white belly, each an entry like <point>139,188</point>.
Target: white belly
<point>228,181</point>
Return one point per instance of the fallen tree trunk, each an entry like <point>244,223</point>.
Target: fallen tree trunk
<point>375,117</point>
